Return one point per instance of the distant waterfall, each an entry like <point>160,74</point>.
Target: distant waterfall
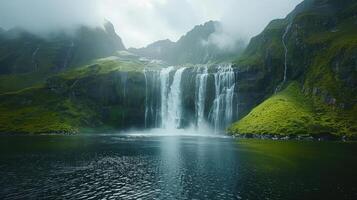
<point>278,88</point>
<point>221,114</point>
<point>68,55</point>
<point>34,59</point>
<point>124,80</point>
<point>200,96</point>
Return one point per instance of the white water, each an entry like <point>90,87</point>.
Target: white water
<point>165,88</point>
<point>167,107</point>
<point>278,88</point>
<point>200,93</point>
<point>221,114</point>
<point>174,103</point>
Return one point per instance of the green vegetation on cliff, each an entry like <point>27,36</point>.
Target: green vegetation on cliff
<point>290,112</point>
<point>38,110</point>
<point>321,40</point>
<point>90,97</point>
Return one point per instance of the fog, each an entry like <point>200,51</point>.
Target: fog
<point>140,22</point>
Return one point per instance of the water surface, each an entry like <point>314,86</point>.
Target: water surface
<point>174,167</point>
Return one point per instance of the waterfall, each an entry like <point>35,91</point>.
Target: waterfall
<point>68,55</point>
<point>278,88</point>
<point>221,114</point>
<point>200,94</point>
<point>152,103</point>
<point>124,80</point>
<point>34,59</point>
<point>174,103</point>
<point>165,88</point>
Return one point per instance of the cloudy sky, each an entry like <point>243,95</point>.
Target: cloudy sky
<point>140,22</point>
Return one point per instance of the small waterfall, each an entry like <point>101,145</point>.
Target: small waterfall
<point>152,101</point>
<point>174,103</point>
<point>68,55</point>
<point>34,58</point>
<point>124,80</point>
<point>278,88</point>
<point>165,88</point>
<point>221,114</point>
<point>200,93</point>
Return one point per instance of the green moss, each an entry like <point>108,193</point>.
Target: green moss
<point>270,39</point>
<point>37,110</point>
<point>291,113</point>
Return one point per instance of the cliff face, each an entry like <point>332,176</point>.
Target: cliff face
<point>320,37</point>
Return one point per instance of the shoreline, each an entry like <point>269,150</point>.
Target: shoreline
<point>307,137</point>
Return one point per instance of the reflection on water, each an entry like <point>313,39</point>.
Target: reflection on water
<point>149,166</point>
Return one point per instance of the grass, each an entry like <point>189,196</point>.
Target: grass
<point>291,113</point>
<point>37,110</point>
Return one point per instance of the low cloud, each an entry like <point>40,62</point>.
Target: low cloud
<point>43,16</point>
<point>140,22</point>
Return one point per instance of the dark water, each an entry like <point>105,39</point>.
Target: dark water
<point>174,167</point>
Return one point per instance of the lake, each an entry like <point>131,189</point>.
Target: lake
<point>171,166</point>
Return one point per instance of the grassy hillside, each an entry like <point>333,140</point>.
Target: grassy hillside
<point>290,112</point>
<point>89,97</point>
<point>321,39</point>
<point>38,110</point>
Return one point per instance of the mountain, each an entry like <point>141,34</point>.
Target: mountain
<point>158,50</point>
<point>194,47</point>
<point>26,58</point>
<point>308,59</point>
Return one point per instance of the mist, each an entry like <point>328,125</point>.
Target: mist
<point>140,22</point>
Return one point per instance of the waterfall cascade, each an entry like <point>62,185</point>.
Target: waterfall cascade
<point>200,94</point>
<point>212,91</point>
<point>221,114</point>
<point>174,103</point>
<point>165,89</point>
<point>278,88</point>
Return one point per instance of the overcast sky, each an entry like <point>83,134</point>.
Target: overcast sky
<point>140,22</point>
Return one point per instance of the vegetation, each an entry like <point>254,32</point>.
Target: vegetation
<point>38,110</point>
<point>290,112</point>
<point>322,44</point>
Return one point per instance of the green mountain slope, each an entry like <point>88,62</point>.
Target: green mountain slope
<point>92,96</point>
<point>321,42</point>
<point>27,59</point>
